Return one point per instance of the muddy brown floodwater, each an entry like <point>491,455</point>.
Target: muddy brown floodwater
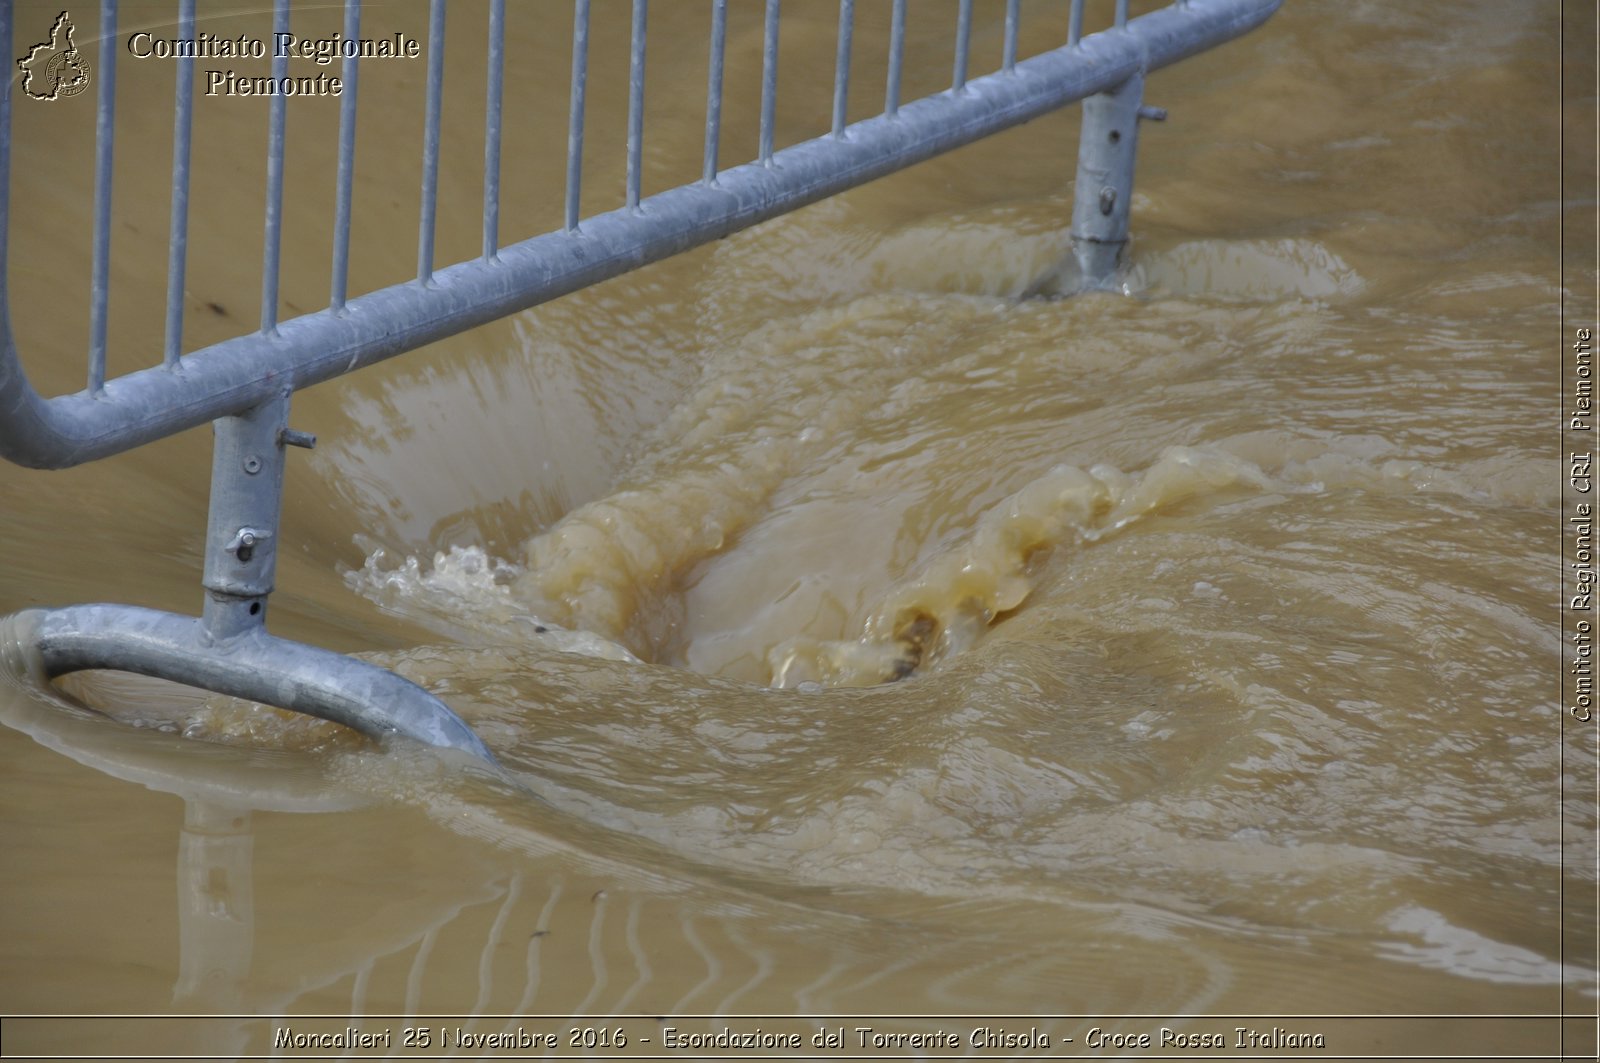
<point>1225,610</point>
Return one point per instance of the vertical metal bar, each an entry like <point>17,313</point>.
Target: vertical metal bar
<point>963,45</point>
<point>491,131</point>
<point>272,230</point>
<point>242,525</point>
<point>897,54</point>
<point>104,133</point>
<point>580,79</point>
<point>178,232</point>
<point>841,65</point>
<point>1122,13</point>
<point>719,42</point>
<point>430,140</point>
<point>636,102</point>
<point>1075,24</point>
<point>1013,20</point>
<point>347,161</point>
<point>1107,145</point>
<point>769,81</point>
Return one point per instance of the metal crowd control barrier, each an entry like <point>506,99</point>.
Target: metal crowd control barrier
<point>244,384</point>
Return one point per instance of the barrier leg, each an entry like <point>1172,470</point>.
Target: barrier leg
<point>1107,146</point>
<point>228,649</point>
<point>242,533</point>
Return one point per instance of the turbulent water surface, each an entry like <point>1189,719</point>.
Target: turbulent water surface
<point>856,634</point>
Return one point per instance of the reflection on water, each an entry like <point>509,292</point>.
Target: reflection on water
<point>548,936</point>
<point>859,635</point>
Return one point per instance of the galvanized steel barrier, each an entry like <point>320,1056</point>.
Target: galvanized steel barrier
<point>244,384</point>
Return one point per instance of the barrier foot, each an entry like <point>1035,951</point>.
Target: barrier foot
<point>251,665</point>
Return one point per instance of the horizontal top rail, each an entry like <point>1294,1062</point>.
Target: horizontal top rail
<point>237,374</point>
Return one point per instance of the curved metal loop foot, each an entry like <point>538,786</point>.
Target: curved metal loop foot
<point>251,665</point>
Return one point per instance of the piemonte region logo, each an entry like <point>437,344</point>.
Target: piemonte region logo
<point>55,68</point>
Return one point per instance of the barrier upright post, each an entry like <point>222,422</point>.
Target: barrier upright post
<point>1107,146</point>
<point>242,537</point>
